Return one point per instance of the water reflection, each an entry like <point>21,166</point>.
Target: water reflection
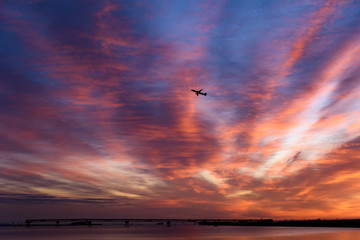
<point>178,232</point>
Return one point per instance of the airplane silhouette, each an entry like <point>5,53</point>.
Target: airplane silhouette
<point>199,92</point>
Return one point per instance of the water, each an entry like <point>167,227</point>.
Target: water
<point>177,232</point>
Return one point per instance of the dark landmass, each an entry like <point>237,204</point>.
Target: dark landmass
<point>351,223</point>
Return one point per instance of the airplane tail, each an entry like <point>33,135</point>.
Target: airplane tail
<point>205,94</point>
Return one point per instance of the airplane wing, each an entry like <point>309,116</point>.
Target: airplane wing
<point>197,93</point>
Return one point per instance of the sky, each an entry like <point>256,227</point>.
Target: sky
<point>97,118</point>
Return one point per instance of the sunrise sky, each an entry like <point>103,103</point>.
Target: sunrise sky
<point>97,118</point>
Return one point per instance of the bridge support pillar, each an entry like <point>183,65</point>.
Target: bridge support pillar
<point>27,223</point>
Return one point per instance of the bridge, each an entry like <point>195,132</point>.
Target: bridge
<point>128,221</point>
<point>352,223</point>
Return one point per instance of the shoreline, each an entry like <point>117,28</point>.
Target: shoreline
<point>342,223</point>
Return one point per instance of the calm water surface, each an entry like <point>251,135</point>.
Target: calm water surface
<point>178,232</point>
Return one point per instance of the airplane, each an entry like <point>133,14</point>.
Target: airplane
<point>199,92</point>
